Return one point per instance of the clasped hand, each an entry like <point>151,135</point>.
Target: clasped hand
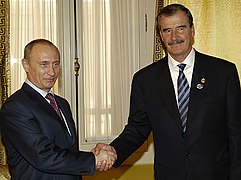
<point>105,156</point>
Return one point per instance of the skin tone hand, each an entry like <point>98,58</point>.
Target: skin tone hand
<point>103,161</point>
<point>107,156</point>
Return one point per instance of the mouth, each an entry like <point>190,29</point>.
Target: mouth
<point>51,80</point>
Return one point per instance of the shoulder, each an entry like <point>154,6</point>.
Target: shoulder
<point>24,98</point>
<point>64,102</point>
<point>61,99</point>
<point>214,64</point>
<point>17,97</point>
<point>153,69</point>
<point>212,60</point>
<point>18,102</point>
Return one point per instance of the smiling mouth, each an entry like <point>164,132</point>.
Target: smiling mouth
<point>50,80</point>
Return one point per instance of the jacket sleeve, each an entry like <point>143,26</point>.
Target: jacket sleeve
<point>138,128</point>
<point>233,116</point>
<point>25,141</point>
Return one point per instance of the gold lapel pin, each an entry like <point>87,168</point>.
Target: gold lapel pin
<point>203,80</point>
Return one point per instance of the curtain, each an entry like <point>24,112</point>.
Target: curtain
<point>4,40</point>
<point>4,74</point>
<point>158,49</point>
<point>217,25</point>
<point>110,58</point>
<point>66,44</point>
<point>108,42</point>
<point>29,19</point>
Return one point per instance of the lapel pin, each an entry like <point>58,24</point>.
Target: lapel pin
<point>199,86</point>
<point>203,80</point>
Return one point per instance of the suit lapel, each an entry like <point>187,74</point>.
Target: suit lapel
<point>68,117</point>
<point>199,85</point>
<point>44,106</point>
<point>167,93</point>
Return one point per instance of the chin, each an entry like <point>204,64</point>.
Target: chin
<point>177,53</point>
<point>49,86</point>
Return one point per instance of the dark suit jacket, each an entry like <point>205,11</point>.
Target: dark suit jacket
<point>211,147</point>
<point>38,145</point>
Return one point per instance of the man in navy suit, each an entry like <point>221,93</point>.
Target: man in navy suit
<point>40,140</point>
<point>207,144</point>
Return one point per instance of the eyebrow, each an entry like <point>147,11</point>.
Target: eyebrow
<point>176,27</point>
<point>166,29</point>
<point>182,26</point>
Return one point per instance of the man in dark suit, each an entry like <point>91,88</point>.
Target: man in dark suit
<point>37,127</point>
<point>196,129</point>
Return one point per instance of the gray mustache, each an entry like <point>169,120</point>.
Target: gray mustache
<point>178,41</point>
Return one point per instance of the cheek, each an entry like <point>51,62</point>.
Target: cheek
<point>165,39</point>
<point>33,72</point>
<point>57,71</point>
<point>41,74</point>
<point>189,39</point>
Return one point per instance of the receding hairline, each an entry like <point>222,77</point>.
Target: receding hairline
<point>172,9</point>
<point>28,48</point>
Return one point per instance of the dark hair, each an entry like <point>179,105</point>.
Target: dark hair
<point>170,10</point>
<point>28,48</point>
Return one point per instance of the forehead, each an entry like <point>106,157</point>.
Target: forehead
<point>43,47</point>
<point>44,51</point>
<point>179,18</point>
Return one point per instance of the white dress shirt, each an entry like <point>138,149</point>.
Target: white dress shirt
<point>174,69</point>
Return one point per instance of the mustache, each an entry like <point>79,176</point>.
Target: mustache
<point>178,41</point>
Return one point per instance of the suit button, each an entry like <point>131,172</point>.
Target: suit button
<point>188,154</point>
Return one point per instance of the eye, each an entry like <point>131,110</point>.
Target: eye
<point>167,31</point>
<point>56,64</point>
<point>181,28</point>
<point>44,64</point>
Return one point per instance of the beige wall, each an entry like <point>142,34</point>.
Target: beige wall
<point>217,24</point>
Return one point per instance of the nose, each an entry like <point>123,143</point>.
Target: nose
<point>51,70</point>
<point>174,35</point>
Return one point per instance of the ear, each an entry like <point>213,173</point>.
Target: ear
<point>193,30</point>
<point>25,65</point>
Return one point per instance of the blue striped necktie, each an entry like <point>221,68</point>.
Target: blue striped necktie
<point>183,96</point>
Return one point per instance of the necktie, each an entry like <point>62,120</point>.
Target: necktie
<point>183,96</point>
<point>53,103</point>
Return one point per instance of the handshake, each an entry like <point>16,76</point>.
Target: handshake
<point>105,156</point>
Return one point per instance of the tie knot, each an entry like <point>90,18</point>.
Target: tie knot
<point>49,96</point>
<point>181,66</point>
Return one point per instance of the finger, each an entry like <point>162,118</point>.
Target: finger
<point>103,146</point>
<point>103,165</point>
<point>112,159</point>
<point>98,165</point>
<point>107,167</point>
<point>112,156</point>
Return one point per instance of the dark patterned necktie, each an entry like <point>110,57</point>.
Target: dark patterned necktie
<point>53,103</point>
<point>183,96</point>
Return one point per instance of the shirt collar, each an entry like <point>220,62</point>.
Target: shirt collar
<point>189,61</point>
<point>40,91</point>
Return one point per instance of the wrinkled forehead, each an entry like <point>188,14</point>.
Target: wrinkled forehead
<point>179,18</point>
